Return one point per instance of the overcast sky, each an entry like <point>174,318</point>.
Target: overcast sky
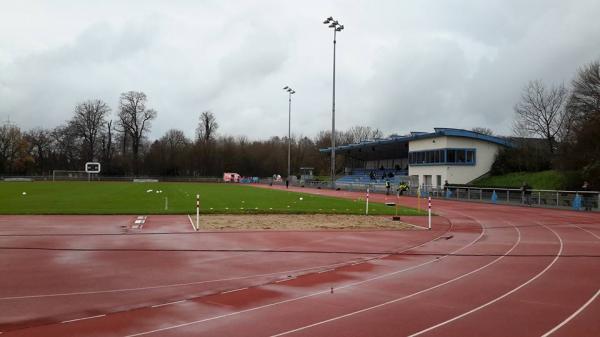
<point>401,65</point>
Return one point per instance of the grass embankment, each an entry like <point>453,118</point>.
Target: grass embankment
<point>545,180</point>
<point>142,198</point>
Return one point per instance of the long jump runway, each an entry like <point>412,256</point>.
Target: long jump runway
<point>484,270</point>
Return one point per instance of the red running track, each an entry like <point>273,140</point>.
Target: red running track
<point>484,270</point>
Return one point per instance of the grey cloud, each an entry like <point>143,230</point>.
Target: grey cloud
<point>401,65</point>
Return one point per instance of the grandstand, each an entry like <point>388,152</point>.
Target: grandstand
<point>425,159</point>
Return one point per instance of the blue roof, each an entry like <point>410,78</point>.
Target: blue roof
<point>439,132</point>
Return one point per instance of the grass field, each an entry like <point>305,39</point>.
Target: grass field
<point>141,198</point>
<point>545,180</point>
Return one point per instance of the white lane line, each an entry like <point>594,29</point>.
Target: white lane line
<point>407,296</point>
<point>168,303</point>
<point>572,315</point>
<point>287,279</point>
<point>502,296</point>
<point>420,227</point>
<point>327,291</point>
<point>108,291</point>
<point>234,290</point>
<point>192,223</point>
<point>84,318</point>
<point>325,271</point>
<point>585,230</point>
<point>170,285</point>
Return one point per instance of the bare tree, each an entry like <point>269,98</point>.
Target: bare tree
<point>483,131</point>
<point>357,134</point>
<point>88,122</point>
<point>106,142</point>
<point>135,120</point>
<point>585,98</point>
<point>581,148</point>
<point>542,112</point>
<point>207,128</point>
<point>10,142</point>
<point>40,146</point>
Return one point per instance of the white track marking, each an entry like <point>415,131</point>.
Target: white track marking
<point>108,291</point>
<point>407,296</point>
<point>420,227</point>
<point>572,315</point>
<point>327,291</point>
<point>168,303</point>
<point>170,285</point>
<point>192,223</point>
<point>578,311</point>
<point>82,319</point>
<point>234,290</point>
<point>589,232</point>
<point>287,279</point>
<point>556,257</point>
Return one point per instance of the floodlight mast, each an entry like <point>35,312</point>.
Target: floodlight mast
<point>337,27</point>
<point>290,93</point>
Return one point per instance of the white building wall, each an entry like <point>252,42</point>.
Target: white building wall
<point>454,174</point>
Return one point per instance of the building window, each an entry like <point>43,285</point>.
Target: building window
<point>443,157</point>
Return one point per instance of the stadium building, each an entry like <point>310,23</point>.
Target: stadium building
<point>424,158</point>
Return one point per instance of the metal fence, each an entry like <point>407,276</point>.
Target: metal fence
<point>95,177</point>
<point>577,200</point>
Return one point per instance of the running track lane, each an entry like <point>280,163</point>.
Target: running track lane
<point>95,296</point>
<point>537,242</point>
<point>220,304</point>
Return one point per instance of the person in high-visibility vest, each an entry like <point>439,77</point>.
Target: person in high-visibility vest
<point>402,187</point>
<point>387,187</point>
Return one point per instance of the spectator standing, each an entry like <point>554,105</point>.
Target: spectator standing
<point>526,193</point>
<point>587,197</point>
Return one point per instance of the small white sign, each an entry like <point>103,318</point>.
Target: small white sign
<point>92,167</point>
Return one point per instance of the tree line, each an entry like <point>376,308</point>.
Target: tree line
<point>122,146</point>
<point>565,123</point>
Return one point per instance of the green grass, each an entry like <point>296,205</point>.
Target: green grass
<point>134,198</point>
<point>545,180</point>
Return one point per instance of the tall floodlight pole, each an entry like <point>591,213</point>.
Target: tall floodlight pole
<point>337,27</point>
<point>290,93</point>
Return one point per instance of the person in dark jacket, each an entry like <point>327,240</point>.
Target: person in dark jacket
<point>526,193</point>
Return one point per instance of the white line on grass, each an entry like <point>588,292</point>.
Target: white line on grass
<point>572,315</point>
<point>556,257</point>
<point>327,291</point>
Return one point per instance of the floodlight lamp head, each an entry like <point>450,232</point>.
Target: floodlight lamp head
<point>340,28</point>
<point>328,20</point>
<point>292,92</point>
<point>285,88</point>
<point>332,25</point>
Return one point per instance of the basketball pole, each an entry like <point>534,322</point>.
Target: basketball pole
<point>429,212</point>
<point>197,211</point>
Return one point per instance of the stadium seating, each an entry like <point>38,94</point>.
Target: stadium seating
<point>362,176</point>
